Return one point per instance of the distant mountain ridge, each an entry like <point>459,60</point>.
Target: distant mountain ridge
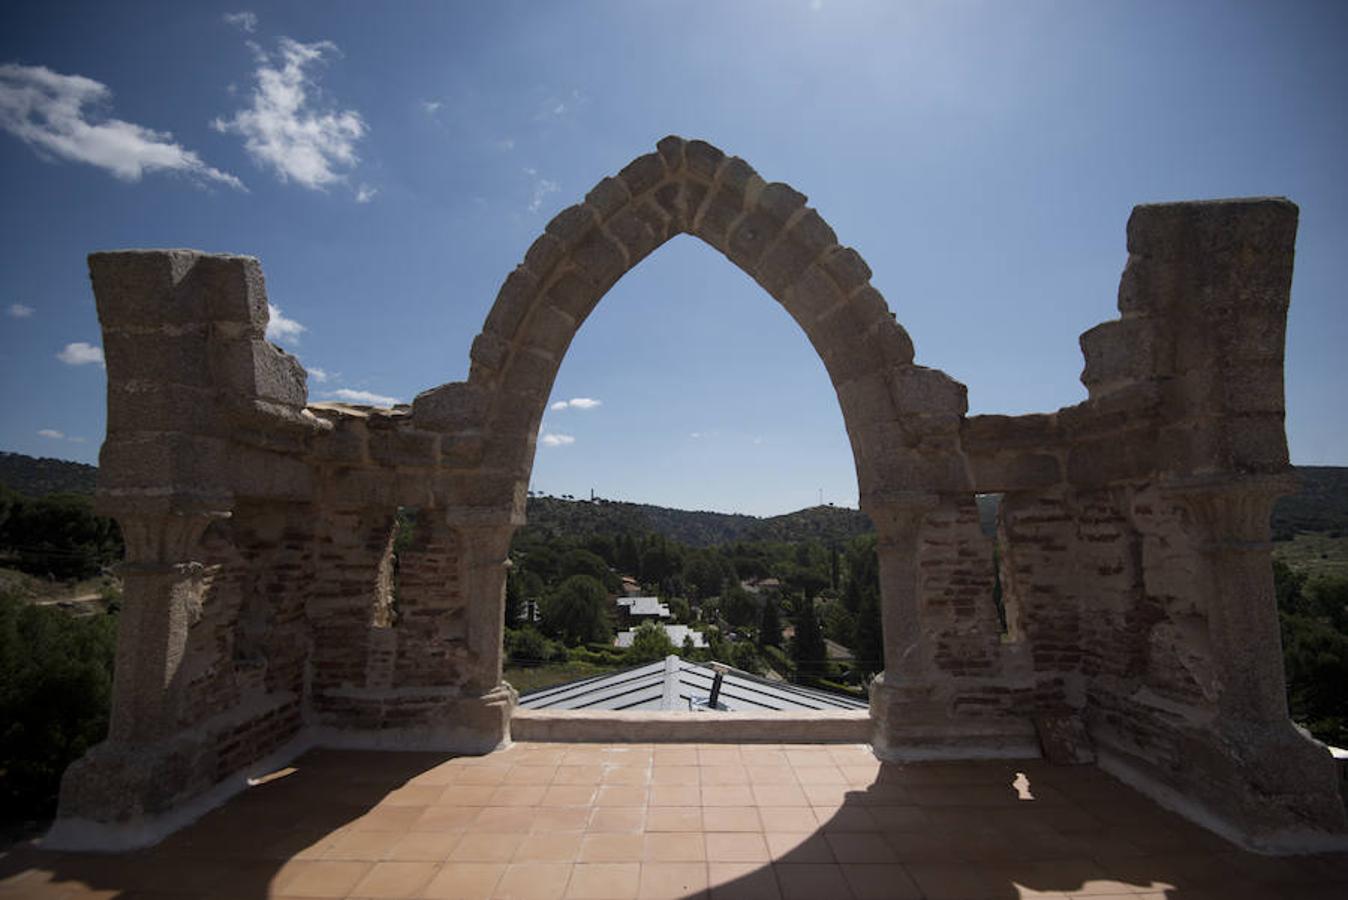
<point>35,476</point>
<point>1320,506</point>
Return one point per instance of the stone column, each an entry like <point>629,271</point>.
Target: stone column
<point>161,600</point>
<point>1232,534</point>
<point>489,701</point>
<point>905,683</point>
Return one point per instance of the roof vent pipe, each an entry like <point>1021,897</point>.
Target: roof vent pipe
<point>720,669</point>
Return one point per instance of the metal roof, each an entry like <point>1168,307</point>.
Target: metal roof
<point>672,684</point>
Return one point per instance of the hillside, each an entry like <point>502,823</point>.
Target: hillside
<point>553,515</point>
<point>38,476</point>
<point>1321,506</point>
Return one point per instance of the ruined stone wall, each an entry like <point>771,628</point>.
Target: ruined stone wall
<point>263,611</point>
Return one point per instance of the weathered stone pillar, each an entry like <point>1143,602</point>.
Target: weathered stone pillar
<point>905,686</point>
<point>161,599</point>
<point>1232,534</point>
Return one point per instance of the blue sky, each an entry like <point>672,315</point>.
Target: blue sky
<point>389,164</point>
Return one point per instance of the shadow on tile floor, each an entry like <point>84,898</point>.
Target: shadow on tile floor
<point>638,822</point>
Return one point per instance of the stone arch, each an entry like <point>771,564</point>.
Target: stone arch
<point>768,231</point>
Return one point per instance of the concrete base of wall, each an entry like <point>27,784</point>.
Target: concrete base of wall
<point>842,727</point>
<point>1280,842</point>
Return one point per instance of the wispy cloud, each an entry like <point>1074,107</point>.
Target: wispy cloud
<point>244,20</point>
<point>365,193</point>
<point>281,329</point>
<point>367,398</point>
<point>46,110</point>
<point>557,106</point>
<point>19,311</point>
<point>317,374</point>
<point>284,131</point>
<point>81,354</point>
<point>52,434</point>
<point>505,144</point>
<point>576,403</point>
<point>542,187</point>
<point>553,439</point>
<point>431,107</point>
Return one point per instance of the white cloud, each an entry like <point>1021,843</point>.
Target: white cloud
<point>505,144</point>
<point>244,21</point>
<point>367,398</point>
<point>695,435</point>
<point>431,107</point>
<point>279,328</point>
<point>283,131</point>
<point>542,187</point>
<point>552,439</point>
<point>46,110</point>
<point>365,193</point>
<point>80,354</point>
<point>19,311</point>
<point>51,433</point>
<point>317,374</point>
<point>576,403</point>
<point>816,5</point>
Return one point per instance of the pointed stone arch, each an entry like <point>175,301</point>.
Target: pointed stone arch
<point>769,232</point>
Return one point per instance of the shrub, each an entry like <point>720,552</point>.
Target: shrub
<point>55,689</point>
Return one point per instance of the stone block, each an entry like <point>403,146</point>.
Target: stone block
<point>1254,388</point>
<point>736,174</point>
<point>513,302</point>
<point>455,406</point>
<point>158,406</point>
<point>1118,352</point>
<point>750,238</point>
<point>716,216</point>
<point>997,433</point>
<point>918,389</point>
<point>608,196</point>
<point>530,374</point>
<point>232,288</point>
<point>1197,229</point>
<point>408,447</point>
<point>543,256</point>
<point>177,357</point>
<point>780,200</point>
<point>489,350</point>
<point>574,296</point>
<point>599,260</point>
<point>635,234</point>
<point>811,296</point>
<point>866,399</point>
<point>164,462</point>
<point>670,149</point>
<point>548,329</point>
<point>572,224</point>
<point>346,443</point>
<point>462,451</point>
<point>782,265</point>
<point>847,268</point>
<point>702,159</point>
<point>257,473</point>
<point>1106,460</point>
<point>140,288</point>
<point>893,341</point>
<point>643,173</point>
<point>1014,471</point>
<point>257,369</point>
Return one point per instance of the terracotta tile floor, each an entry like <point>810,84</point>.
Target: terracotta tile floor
<point>632,821</point>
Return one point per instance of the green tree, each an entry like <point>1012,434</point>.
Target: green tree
<point>649,643</point>
<point>577,611</point>
<point>583,562</point>
<point>770,626</point>
<point>55,686</point>
<point>737,606</point>
<point>807,649</point>
<point>702,573</point>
